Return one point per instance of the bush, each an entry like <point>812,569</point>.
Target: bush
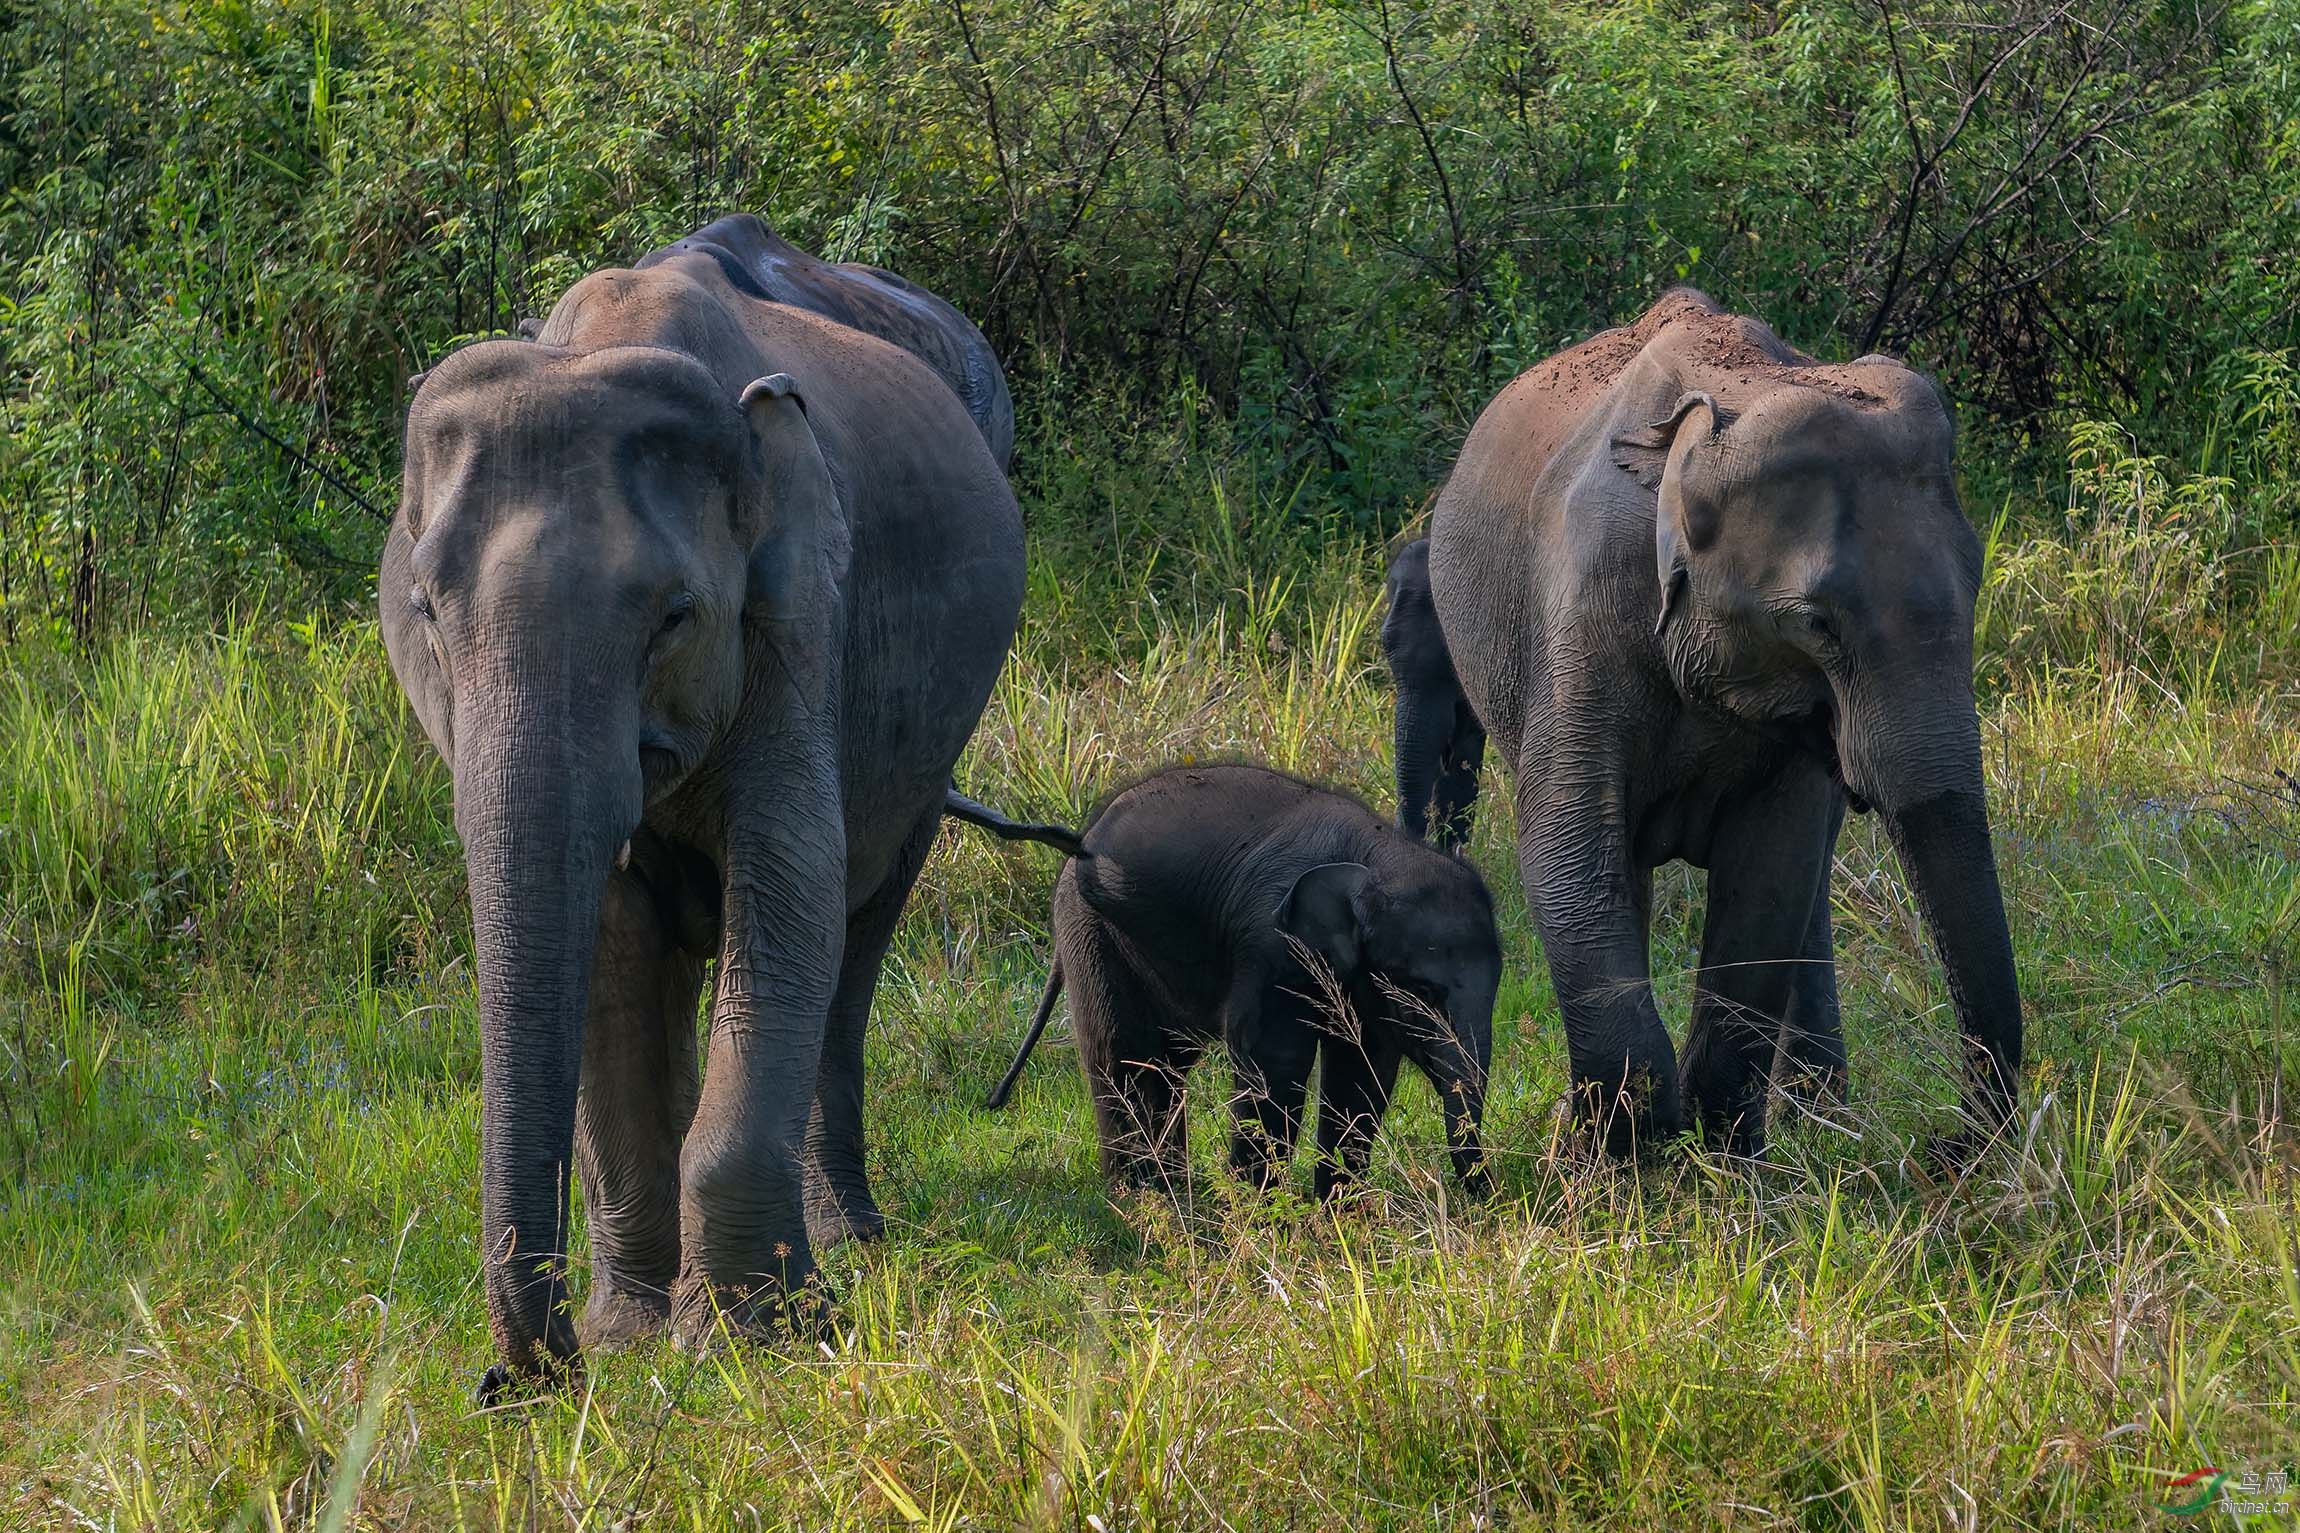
<point>233,227</point>
<point>2143,583</point>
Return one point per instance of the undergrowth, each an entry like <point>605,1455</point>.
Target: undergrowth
<point>238,1071</point>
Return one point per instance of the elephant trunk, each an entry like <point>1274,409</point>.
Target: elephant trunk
<point>1424,727</point>
<point>1464,1131</point>
<point>1456,1059</point>
<point>539,838</point>
<point>1925,782</point>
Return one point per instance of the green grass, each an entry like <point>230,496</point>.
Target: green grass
<point>238,1215</point>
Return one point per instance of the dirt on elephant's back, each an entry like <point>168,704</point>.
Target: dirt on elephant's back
<point>1591,366</point>
<point>1712,340</point>
<point>1723,343</point>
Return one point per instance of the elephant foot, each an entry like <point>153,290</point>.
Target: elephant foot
<point>1734,1130</point>
<point>1256,1172</point>
<point>1723,1096</point>
<point>617,1316</point>
<point>1955,1155</point>
<point>1821,1092</point>
<point>1621,1119</point>
<point>1151,1177</point>
<point>705,1316</point>
<point>842,1210</point>
<point>1821,1097</point>
<point>503,1384</point>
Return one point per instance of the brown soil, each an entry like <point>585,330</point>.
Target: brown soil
<point>1710,339</point>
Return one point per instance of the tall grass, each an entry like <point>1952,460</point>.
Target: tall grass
<point>238,1057</point>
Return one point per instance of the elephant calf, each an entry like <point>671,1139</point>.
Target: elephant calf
<point>1440,743</point>
<point>1204,905</point>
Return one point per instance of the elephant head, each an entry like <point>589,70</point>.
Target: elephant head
<point>582,539</point>
<point>1410,937</point>
<point>1817,579</point>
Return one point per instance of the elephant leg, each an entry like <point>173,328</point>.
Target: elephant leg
<point>1592,906</point>
<point>632,1109</point>
<point>1134,1064</point>
<point>1456,804</point>
<point>1766,862</point>
<point>1355,1080</point>
<point>1812,1064</point>
<point>839,1202</point>
<point>743,1245</point>
<point>1140,1110</point>
<point>1270,1059</point>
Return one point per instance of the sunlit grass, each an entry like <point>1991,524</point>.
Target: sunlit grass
<point>238,1222</point>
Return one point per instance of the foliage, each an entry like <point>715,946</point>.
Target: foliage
<point>2185,584</point>
<point>2256,437</point>
<point>2134,587</point>
<point>233,227</point>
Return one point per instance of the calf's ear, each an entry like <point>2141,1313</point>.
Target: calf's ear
<point>1324,912</point>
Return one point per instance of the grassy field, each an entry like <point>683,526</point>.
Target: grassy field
<point>240,1070</point>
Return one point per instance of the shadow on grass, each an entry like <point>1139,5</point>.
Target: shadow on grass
<point>1020,1211</point>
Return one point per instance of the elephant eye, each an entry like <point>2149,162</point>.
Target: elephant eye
<point>1820,626</point>
<point>682,605</point>
<point>419,603</point>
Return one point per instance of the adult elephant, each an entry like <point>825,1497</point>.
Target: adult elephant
<point>700,595</point>
<point>762,264</point>
<point>1703,590</point>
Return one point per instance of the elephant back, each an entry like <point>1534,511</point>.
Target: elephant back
<point>762,264</point>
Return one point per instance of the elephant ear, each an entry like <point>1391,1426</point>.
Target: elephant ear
<point>413,658</point>
<point>791,512</point>
<point>1323,912</point>
<point>1655,457</point>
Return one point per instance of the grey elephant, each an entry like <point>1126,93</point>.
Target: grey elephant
<point>699,595</point>
<point>1440,745</point>
<point>1236,904</point>
<point>1703,591</point>
<point>760,263</point>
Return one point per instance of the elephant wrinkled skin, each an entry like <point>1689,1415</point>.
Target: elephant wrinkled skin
<point>1702,591</point>
<point>699,595</point>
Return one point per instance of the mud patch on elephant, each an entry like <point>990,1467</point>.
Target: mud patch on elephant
<point>1713,341</point>
<point>1730,343</point>
<point>1596,362</point>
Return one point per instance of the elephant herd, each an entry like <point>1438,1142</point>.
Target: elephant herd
<point>700,586</point>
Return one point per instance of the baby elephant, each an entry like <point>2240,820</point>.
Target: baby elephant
<point>1240,904</point>
<point>1440,743</point>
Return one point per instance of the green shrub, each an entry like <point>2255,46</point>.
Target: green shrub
<point>2135,585</point>
<point>233,227</point>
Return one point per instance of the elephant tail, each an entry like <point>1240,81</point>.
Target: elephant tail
<point>957,806</point>
<point>1046,1000</point>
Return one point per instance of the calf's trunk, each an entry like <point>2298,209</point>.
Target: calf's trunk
<point>1422,732</point>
